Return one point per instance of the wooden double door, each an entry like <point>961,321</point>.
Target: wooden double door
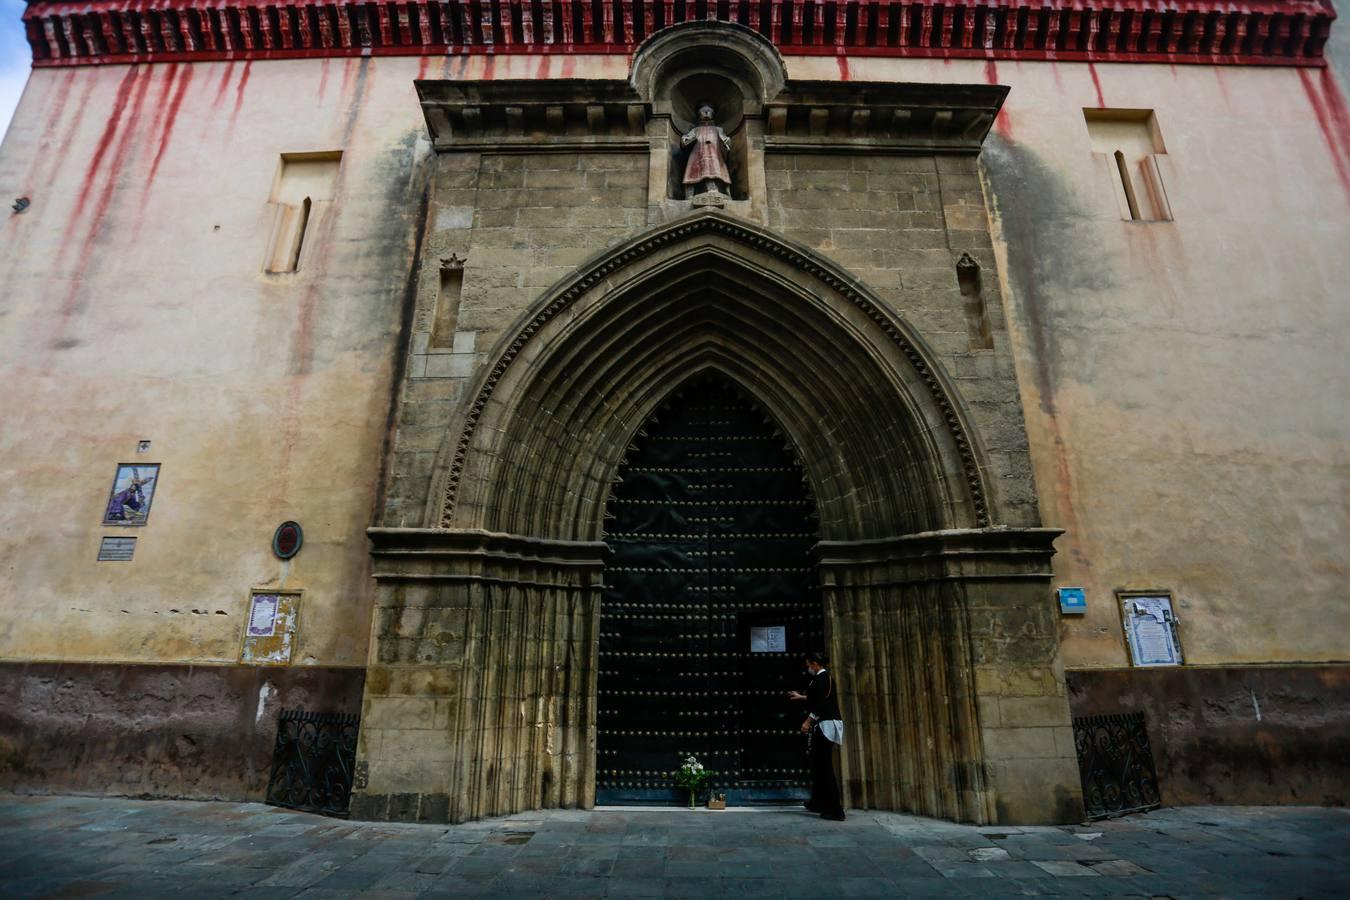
<point>710,598</point>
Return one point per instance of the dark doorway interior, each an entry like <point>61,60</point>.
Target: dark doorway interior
<point>710,598</point>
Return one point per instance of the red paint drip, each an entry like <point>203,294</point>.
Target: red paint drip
<point>157,126</point>
<point>239,92</point>
<point>104,140</point>
<point>125,142</point>
<point>1003,121</point>
<point>16,239</point>
<point>489,65</point>
<point>1096,83</point>
<point>225,86</point>
<point>1340,111</point>
<point>843,67</point>
<point>1223,85</point>
<point>1333,119</point>
<point>53,106</point>
<point>542,70</point>
<point>569,67</point>
<point>59,157</point>
<point>323,79</point>
<point>174,106</point>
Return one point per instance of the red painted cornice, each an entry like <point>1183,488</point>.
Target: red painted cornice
<point>1287,32</point>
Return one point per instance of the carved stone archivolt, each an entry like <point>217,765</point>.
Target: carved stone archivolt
<point>712,291</point>
<point>482,697</point>
<point>481,700</point>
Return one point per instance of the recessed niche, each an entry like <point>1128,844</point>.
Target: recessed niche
<point>447,303</point>
<point>727,100</point>
<point>972,293</point>
<point>301,195</point>
<point>1127,143</point>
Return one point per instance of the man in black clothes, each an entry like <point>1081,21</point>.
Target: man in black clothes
<point>824,728</point>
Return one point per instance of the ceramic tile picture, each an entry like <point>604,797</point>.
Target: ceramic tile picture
<point>132,492</point>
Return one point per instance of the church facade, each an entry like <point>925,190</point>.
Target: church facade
<point>538,380</point>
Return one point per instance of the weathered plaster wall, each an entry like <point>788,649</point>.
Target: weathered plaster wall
<point>205,732</point>
<point>1259,734</point>
<point>135,307</point>
<point>1160,363</point>
<point>1185,383</point>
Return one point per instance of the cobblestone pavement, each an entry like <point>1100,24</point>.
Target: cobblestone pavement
<point>112,847</point>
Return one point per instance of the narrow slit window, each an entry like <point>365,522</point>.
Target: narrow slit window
<point>301,197</point>
<point>1130,199</point>
<point>300,235</point>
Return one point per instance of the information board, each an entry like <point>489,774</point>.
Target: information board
<point>262,618</point>
<point>116,549</point>
<point>269,631</point>
<point>1150,629</point>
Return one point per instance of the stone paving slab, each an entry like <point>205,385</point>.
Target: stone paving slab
<point>113,847</point>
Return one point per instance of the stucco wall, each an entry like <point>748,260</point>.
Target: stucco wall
<point>135,307</point>
<point>1183,382</point>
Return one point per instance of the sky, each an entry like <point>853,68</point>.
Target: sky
<point>15,59</point>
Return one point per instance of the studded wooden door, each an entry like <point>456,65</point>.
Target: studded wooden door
<point>711,528</point>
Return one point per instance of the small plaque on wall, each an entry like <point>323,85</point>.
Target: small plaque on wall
<point>116,549</point>
<point>1150,628</point>
<point>269,633</point>
<point>1072,600</point>
<point>768,639</point>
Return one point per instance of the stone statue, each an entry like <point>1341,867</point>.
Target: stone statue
<point>707,163</point>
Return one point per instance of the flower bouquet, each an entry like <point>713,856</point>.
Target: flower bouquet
<point>692,777</point>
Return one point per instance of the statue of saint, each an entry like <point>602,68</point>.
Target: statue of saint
<point>707,163</point>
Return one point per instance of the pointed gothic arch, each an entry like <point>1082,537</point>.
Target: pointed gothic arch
<point>925,591</point>
<point>881,434</point>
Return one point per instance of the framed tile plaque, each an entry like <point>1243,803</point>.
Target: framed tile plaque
<point>133,491</point>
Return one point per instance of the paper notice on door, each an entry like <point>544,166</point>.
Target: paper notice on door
<point>768,639</point>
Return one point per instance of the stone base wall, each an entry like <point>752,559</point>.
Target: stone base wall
<point>1243,735</point>
<point>481,700</point>
<point>195,732</point>
<point>946,643</point>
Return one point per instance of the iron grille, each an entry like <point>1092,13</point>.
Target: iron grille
<point>312,762</point>
<point>1115,762</point>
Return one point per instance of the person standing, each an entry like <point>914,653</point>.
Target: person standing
<point>824,728</point>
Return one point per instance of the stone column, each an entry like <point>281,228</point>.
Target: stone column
<point>480,699</point>
<point>948,654</point>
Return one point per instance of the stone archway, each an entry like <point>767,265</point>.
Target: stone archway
<point>921,585</point>
<point>600,351</point>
